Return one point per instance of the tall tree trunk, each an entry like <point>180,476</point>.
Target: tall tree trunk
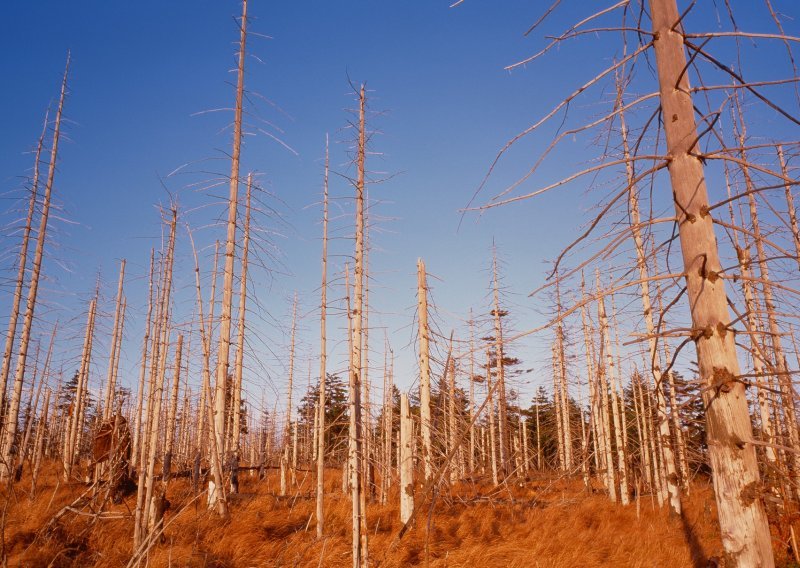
<point>137,434</point>
<point>406,461</point>
<point>424,369</point>
<point>743,523</point>
<point>356,422</point>
<point>108,409</point>
<point>23,260</point>
<point>602,385</point>
<point>206,409</point>
<point>146,487</point>
<point>562,385</point>
<point>72,438</point>
<point>471,462</point>
<point>172,412</point>
<point>224,346</point>
<point>239,362</point>
<point>323,355</point>
<point>615,411</point>
<point>502,422</point>
<point>39,444</point>
<point>10,431</point>
<point>490,400</point>
<point>647,310</point>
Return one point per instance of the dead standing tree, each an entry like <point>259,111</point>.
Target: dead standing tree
<point>10,423</point>
<point>217,494</point>
<point>356,431</point>
<point>743,524</point>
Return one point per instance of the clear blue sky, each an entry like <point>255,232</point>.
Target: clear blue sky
<point>142,70</point>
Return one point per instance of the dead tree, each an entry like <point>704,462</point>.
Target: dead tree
<point>224,346</point>
<point>359,547</point>
<point>20,281</point>
<point>10,424</point>
<point>323,354</point>
<point>424,369</point>
<point>238,368</point>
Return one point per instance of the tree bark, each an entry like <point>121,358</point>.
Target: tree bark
<point>743,523</point>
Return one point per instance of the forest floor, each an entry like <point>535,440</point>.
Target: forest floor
<point>539,522</point>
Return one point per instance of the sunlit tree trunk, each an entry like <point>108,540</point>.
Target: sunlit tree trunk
<point>744,528</point>
<point>490,409</point>
<point>323,354</point>
<point>502,422</point>
<point>10,424</point>
<point>615,410</point>
<point>406,461</point>
<point>72,438</point>
<point>357,489</point>
<point>20,281</point>
<point>108,409</point>
<point>137,433</point>
<point>647,310</point>
<point>424,369</point>
<point>224,345</point>
<point>172,412</point>
<point>239,361</point>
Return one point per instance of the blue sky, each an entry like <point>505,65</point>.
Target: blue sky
<point>444,105</point>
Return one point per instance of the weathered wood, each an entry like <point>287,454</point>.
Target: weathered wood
<point>743,523</point>
<point>323,355</point>
<point>10,424</point>
<point>424,369</point>
<point>406,461</point>
<point>224,344</point>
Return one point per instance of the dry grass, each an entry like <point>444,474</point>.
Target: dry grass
<point>540,523</point>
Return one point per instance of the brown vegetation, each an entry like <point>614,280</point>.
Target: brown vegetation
<point>540,522</point>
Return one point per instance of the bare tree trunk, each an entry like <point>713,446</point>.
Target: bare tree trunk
<point>10,432</point>
<point>471,462</point>
<point>745,532</point>
<point>453,437</point>
<point>23,260</point>
<point>562,385</point>
<point>285,454</point>
<point>239,362</point>
<point>595,413</point>
<point>557,408</point>
<point>39,444</point>
<point>206,408</point>
<point>32,407</point>
<point>137,435</point>
<point>602,385</point>
<point>615,411</point>
<point>781,368</point>
<point>525,445</point>
<point>356,422</point>
<point>754,327</point>
<point>647,310</point>
<point>144,497</point>
<point>323,355</point>
<point>406,461</point>
<point>224,346</point>
<point>71,441</point>
<point>424,369</point>
<point>502,429</point>
<point>388,418</point>
<point>116,332</point>
<point>172,412</point>
<point>206,396</point>
<point>490,395</point>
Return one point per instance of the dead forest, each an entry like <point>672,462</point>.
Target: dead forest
<point>661,428</point>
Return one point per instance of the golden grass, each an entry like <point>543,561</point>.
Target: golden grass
<point>541,523</point>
